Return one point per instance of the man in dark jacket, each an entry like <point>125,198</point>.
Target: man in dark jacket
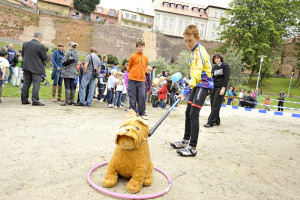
<point>34,54</point>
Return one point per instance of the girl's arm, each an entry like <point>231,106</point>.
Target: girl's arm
<point>4,72</point>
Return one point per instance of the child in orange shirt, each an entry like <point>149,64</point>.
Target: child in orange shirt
<point>137,67</point>
<point>267,103</point>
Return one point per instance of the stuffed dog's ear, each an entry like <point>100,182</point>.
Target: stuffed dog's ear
<point>144,122</point>
<point>131,114</point>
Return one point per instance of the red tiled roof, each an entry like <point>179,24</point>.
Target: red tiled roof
<point>28,3</point>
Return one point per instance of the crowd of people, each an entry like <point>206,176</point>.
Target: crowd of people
<point>132,86</point>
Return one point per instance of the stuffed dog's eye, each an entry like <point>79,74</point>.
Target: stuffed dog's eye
<point>137,128</point>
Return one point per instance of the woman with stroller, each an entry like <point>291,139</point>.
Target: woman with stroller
<point>69,73</point>
<point>220,73</point>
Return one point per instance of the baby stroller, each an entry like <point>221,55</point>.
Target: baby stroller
<point>43,79</point>
<point>248,102</point>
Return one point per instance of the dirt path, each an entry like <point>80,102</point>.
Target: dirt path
<point>46,153</point>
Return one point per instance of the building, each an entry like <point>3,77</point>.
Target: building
<point>61,7</point>
<point>171,18</point>
<point>24,2</point>
<point>100,14</point>
<point>137,20</point>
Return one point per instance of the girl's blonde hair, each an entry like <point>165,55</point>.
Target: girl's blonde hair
<point>113,72</point>
<point>161,79</point>
<point>119,74</point>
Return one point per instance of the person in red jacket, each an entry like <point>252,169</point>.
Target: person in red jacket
<point>136,81</point>
<point>162,95</point>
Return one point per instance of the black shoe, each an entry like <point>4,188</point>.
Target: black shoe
<point>79,104</point>
<point>207,125</point>
<point>37,104</point>
<point>26,102</point>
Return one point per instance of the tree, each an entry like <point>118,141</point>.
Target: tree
<point>160,63</point>
<point>124,61</point>
<point>234,60</point>
<point>298,61</point>
<point>182,64</point>
<point>111,59</point>
<point>86,7</point>
<point>258,27</point>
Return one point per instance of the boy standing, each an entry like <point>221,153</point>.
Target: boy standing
<point>199,85</point>
<point>101,84</point>
<point>136,84</point>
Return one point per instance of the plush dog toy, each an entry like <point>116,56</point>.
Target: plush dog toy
<point>131,158</point>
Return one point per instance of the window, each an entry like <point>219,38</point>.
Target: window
<point>179,7</point>
<point>140,26</point>
<point>185,8</point>
<point>112,12</point>
<point>195,9</point>
<point>213,34</point>
<point>126,23</point>
<point>149,27</point>
<point>196,24</point>
<point>216,15</point>
<point>133,24</point>
<point>218,35</point>
<point>171,25</point>
<point>166,4</point>
<point>76,15</point>
<point>133,17</point>
<point>187,24</point>
<point>165,24</point>
<point>127,15</point>
<point>201,11</point>
<point>100,10</point>
<point>172,5</point>
<point>221,15</point>
<point>202,31</point>
<point>180,28</point>
<point>214,25</point>
<point>142,19</point>
<point>149,21</point>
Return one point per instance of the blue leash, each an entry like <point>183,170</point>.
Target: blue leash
<point>152,130</point>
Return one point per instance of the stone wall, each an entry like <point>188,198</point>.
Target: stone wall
<point>21,7</point>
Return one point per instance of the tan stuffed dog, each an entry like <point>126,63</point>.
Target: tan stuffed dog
<point>131,158</point>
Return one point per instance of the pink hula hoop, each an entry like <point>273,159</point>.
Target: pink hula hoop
<point>125,196</point>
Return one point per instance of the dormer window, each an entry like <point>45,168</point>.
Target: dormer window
<point>179,7</point>
<point>100,9</point>
<point>172,5</point>
<point>185,7</point>
<point>201,11</point>
<point>166,4</point>
<point>195,9</point>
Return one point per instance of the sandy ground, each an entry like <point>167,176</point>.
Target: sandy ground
<point>46,153</point>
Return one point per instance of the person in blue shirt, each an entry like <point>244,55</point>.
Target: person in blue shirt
<point>230,95</point>
<point>57,57</point>
<point>12,55</point>
<point>115,67</point>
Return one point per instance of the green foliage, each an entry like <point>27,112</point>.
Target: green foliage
<point>85,6</point>
<point>234,60</point>
<point>257,27</point>
<point>182,64</point>
<point>172,60</point>
<point>111,59</point>
<point>100,57</point>
<point>124,62</point>
<point>160,63</point>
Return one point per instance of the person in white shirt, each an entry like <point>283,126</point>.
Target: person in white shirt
<point>4,65</point>
<point>119,89</point>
